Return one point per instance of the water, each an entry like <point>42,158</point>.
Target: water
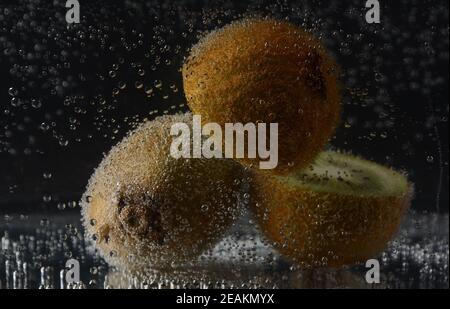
<point>34,253</point>
<point>69,93</point>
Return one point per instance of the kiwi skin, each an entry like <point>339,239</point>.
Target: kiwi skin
<point>325,229</point>
<point>145,209</point>
<point>263,70</point>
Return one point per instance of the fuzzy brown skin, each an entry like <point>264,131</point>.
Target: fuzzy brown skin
<point>267,71</point>
<point>147,209</point>
<point>317,229</point>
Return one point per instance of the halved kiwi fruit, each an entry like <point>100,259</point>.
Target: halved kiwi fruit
<point>143,208</point>
<point>341,210</point>
<point>263,70</point>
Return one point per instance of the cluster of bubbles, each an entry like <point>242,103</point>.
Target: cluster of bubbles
<point>90,68</point>
<point>36,258</point>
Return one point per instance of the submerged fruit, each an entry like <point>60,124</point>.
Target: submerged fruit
<point>267,71</point>
<point>342,210</point>
<point>146,209</point>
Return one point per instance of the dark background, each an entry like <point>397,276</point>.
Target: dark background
<point>68,94</point>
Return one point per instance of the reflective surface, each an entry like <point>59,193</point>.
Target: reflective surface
<point>35,250</point>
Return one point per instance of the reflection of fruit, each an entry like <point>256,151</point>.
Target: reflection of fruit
<point>342,210</point>
<point>267,71</point>
<point>144,207</point>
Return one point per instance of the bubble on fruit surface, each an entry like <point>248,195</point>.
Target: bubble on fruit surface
<point>69,93</point>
